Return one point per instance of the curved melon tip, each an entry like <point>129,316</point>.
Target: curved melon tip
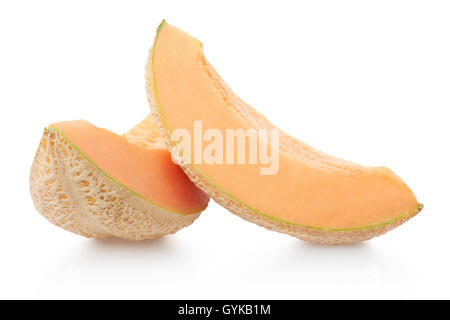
<point>163,22</point>
<point>73,193</point>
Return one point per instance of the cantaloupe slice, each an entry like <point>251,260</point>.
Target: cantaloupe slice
<point>95,183</point>
<point>314,197</point>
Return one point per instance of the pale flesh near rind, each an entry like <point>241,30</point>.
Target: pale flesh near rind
<point>337,201</point>
<point>70,191</point>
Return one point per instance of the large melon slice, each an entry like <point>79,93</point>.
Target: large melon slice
<point>95,183</point>
<point>314,197</point>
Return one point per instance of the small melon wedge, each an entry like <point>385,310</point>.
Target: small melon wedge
<point>95,183</point>
<point>314,196</point>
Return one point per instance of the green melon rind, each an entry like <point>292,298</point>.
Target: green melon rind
<point>106,175</point>
<point>166,125</point>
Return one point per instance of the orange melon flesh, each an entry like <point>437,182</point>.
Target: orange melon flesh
<point>147,172</point>
<point>310,189</point>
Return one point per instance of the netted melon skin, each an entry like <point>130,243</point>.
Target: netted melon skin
<point>73,194</point>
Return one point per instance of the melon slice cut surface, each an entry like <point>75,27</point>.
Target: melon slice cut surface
<point>314,196</point>
<point>96,183</point>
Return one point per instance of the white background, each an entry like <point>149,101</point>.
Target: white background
<point>367,81</point>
